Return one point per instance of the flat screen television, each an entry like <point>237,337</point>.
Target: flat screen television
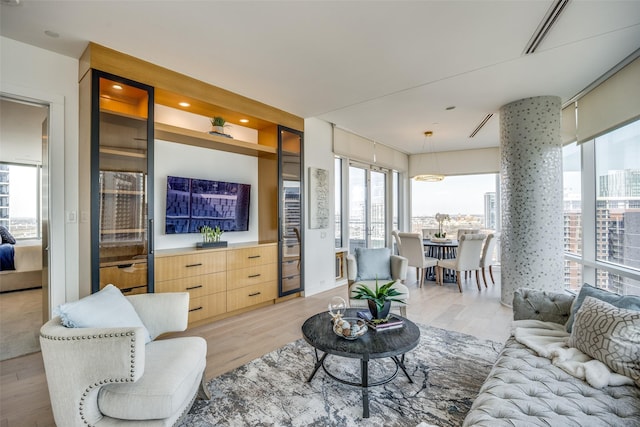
<point>193,203</point>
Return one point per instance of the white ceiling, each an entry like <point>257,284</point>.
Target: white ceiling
<point>385,70</point>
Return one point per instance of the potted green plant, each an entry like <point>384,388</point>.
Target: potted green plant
<point>218,124</point>
<point>211,238</point>
<point>379,300</point>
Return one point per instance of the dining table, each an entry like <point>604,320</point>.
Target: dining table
<point>441,250</point>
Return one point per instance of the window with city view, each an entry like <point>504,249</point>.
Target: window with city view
<point>617,174</point>
<point>469,200</point>
<point>19,196</point>
<point>572,214</point>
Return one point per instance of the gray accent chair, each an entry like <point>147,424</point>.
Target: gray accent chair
<point>398,274</point>
<point>524,389</point>
<point>109,377</point>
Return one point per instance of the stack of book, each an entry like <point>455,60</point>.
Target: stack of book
<point>392,323</point>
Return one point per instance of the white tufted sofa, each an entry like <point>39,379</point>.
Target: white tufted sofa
<point>108,376</point>
<point>524,389</point>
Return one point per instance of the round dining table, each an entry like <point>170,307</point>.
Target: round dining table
<point>441,250</point>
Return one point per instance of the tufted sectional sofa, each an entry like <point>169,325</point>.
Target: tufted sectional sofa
<point>524,389</point>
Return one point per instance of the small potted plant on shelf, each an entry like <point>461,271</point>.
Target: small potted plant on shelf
<point>211,238</point>
<point>379,300</point>
<point>218,124</point>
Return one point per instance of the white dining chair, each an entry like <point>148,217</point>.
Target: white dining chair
<point>469,249</point>
<point>462,231</point>
<point>428,233</point>
<point>486,259</point>
<point>412,248</point>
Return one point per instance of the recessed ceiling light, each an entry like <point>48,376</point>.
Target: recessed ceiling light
<point>184,104</point>
<point>52,34</point>
<point>244,120</point>
<point>117,87</point>
<point>450,108</point>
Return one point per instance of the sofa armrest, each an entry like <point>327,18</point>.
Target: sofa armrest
<point>162,312</point>
<point>76,366</point>
<point>399,266</point>
<point>532,304</point>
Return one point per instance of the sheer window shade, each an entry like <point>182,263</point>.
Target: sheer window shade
<point>568,130</point>
<point>364,150</point>
<point>611,104</point>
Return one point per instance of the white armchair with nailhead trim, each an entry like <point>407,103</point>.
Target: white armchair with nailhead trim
<point>108,376</point>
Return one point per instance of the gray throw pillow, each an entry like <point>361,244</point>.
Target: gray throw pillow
<point>610,335</point>
<point>630,302</point>
<point>373,264</point>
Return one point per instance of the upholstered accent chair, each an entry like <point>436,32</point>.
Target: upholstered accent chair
<point>377,265</point>
<point>110,377</point>
<point>467,258</point>
<point>412,249</point>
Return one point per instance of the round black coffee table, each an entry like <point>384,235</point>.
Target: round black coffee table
<point>318,332</point>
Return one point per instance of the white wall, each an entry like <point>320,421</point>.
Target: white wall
<point>34,73</point>
<point>196,162</point>
<point>319,245</point>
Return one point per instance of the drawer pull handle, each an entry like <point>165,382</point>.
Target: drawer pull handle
<point>193,265</point>
<point>254,294</point>
<point>254,275</point>
<point>196,309</point>
<point>193,287</point>
<point>125,265</point>
<point>254,256</point>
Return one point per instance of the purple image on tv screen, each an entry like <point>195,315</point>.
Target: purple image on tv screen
<point>195,203</point>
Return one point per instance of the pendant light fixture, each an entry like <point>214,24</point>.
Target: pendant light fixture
<point>433,176</point>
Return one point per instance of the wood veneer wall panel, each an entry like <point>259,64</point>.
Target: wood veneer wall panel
<point>111,61</point>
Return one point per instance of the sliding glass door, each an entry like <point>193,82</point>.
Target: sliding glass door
<point>367,207</point>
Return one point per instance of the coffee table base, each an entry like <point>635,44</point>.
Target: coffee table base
<point>364,377</point>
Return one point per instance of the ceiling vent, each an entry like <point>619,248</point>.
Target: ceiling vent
<point>545,25</point>
<point>482,123</point>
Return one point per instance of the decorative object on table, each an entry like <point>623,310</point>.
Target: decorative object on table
<point>318,198</point>
<point>218,124</point>
<point>350,328</point>
<point>379,300</point>
<point>211,238</point>
<point>337,306</point>
<point>441,218</point>
<point>391,322</point>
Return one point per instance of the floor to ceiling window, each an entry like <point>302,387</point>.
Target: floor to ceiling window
<point>20,199</point>
<point>469,200</point>
<point>367,207</point>
<point>609,174</point>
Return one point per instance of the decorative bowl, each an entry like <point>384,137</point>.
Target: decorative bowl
<point>440,240</point>
<point>350,328</point>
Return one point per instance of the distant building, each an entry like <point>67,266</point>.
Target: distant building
<point>4,195</point>
<point>490,211</point>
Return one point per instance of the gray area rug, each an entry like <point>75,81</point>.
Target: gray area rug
<point>447,368</point>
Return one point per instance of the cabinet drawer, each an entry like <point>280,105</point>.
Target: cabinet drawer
<point>197,286</point>
<point>207,306</point>
<point>249,257</point>
<point>125,276</point>
<point>176,267</point>
<point>290,268</point>
<point>290,283</point>
<point>251,295</point>
<point>251,276</point>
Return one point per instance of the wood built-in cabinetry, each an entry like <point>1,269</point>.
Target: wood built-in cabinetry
<point>244,279</point>
<point>220,281</point>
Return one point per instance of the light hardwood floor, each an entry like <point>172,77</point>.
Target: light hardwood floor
<point>24,399</point>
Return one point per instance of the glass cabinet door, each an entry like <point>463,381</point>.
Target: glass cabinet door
<point>122,159</point>
<point>291,225</point>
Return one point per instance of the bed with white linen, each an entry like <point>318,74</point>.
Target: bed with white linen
<point>28,264</point>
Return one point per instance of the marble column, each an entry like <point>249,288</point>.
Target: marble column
<point>531,196</point>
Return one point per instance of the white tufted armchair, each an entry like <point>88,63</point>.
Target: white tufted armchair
<point>108,376</point>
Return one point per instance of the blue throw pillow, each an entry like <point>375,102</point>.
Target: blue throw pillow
<point>629,302</point>
<point>107,308</point>
<point>6,236</point>
<point>373,264</point>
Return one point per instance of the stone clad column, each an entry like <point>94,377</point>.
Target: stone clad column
<point>531,196</point>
